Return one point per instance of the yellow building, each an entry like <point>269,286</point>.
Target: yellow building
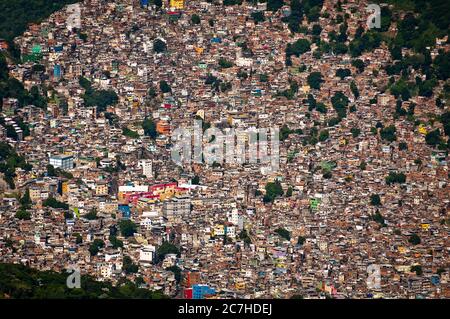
<point>422,129</point>
<point>218,230</point>
<point>177,4</point>
<point>35,194</point>
<point>101,189</point>
<point>64,187</point>
<point>306,89</point>
<point>240,285</point>
<point>199,50</point>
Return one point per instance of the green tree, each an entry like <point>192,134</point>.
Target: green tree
<point>324,135</point>
<point>301,240</point>
<point>68,215</point>
<point>414,239</point>
<point>166,248</point>
<point>92,215</point>
<point>402,146</point>
<point>25,200</point>
<point>85,83</point>
<point>245,237</point>
<point>417,269</point>
<point>289,191</point>
<point>50,170</point>
<point>442,65</point>
<point>314,80</point>
<point>375,200</point>
<point>377,217</point>
<point>433,137</point>
<point>258,16</point>
<point>195,180</point>
<point>298,47</point>
<point>283,233</point>
<point>340,103</point>
<point>54,203</point>
<point>359,64</point>
<point>151,93</point>
<point>355,131</point>
<point>21,282</point>
<point>195,19</point>
<point>128,266</point>
<point>23,214</point>
<point>354,89</point>
<point>129,133</point>
<point>127,227</point>
<point>363,165</point>
<point>263,77</point>
<point>343,73</point>
<point>94,248</point>
<point>388,133</point>
<point>159,46</point>
<point>164,87</point>
<point>100,99</point>
<point>116,243</point>
<point>273,190</point>
<point>149,127</point>
<point>224,63</point>
<point>395,177</point>
<point>78,238</point>
<point>274,5</point>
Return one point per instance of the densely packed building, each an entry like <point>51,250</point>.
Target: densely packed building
<point>228,236</point>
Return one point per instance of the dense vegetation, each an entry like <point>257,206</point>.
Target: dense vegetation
<point>127,227</point>
<point>395,177</point>
<point>14,20</point>
<point>273,190</point>
<point>9,161</point>
<point>101,99</point>
<point>12,88</point>
<point>166,248</point>
<point>54,203</point>
<point>283,233</point>
<point>149,127</point>
<point>21,282</point>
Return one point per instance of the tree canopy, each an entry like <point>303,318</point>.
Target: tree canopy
<point>21,282</point>
<point>314,80</point>
<point>127,227</point>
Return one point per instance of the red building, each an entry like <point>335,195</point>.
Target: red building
<point>187,293</point>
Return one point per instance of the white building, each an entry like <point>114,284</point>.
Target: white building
<point>63,162</point>
<point>231,231</point>
<point>147,254</point>
<point>233,217</point>
<point>147,168</point>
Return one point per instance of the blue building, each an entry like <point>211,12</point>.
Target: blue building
<point>125,210</point>
<point>435,280</point>
<point>200,291</point>
<point>57,71</point>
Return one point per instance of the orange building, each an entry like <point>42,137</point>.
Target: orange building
<point>163,127</point>
<point>4,45</point>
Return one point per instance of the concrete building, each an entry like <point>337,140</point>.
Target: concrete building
<point>64,162</point>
